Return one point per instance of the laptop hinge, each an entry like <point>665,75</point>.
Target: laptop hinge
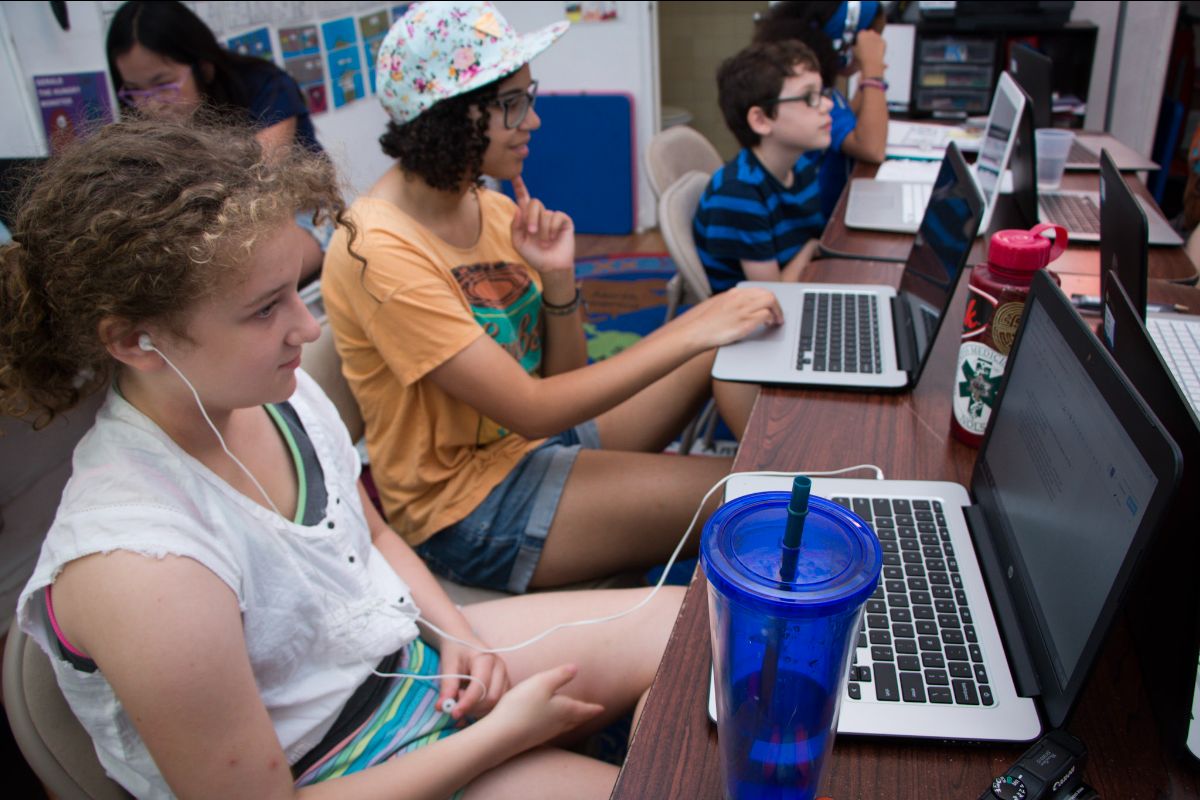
<point>902,331</point>
<point>997,582</point>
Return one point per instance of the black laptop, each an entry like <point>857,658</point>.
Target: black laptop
<point>1164,604</point>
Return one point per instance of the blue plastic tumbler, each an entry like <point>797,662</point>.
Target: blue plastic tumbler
<point>781,646</point>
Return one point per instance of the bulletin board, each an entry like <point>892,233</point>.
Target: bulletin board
<point>581,160</point>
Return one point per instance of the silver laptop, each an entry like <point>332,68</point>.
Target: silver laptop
<point>1069,486</point>
<point>1077,211</point>
<point>1124,252</point>
<point>868,336</point>
<point>897,206</point>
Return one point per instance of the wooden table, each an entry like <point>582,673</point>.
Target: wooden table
<point>673,752</point>
<point>838,241</point>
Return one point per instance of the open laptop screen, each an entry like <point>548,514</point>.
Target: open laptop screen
<point>1032,70</point>
<point>940,250</point>
<point>994,149</point>
<point>1124,236</point>
<point>1073,473</point>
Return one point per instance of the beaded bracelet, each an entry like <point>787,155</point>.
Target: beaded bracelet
<point>876,83</point>
<point>562,310</point>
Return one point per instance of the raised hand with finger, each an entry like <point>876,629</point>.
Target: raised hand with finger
<point>544,238</point>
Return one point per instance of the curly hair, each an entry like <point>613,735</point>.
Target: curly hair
<point>754,77</point>
<point>139,221</point>
<point>444,146</point>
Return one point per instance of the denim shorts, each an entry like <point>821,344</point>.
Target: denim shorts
<point>497,546</point>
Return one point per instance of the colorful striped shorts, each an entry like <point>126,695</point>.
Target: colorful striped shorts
<point>406,719</point>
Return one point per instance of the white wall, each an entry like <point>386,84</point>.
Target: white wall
<point>1141,67</point>
<point>618,56</point>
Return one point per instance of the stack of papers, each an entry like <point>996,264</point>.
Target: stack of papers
<point>928,141</point>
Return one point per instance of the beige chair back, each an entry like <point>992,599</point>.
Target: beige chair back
<point>676,151</point>
<point>56,746</point>
<point>676,208</point>
<point>320,360</point>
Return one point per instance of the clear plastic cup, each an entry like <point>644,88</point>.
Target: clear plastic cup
<point>781,649</point>
<point>1053,146</point>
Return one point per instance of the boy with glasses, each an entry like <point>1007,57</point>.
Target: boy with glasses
<point>760,216</point>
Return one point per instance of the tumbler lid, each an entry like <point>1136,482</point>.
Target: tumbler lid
<point>838,565</point>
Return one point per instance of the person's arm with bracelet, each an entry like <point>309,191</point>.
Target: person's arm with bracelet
<point>868,140</point>
<point>546,240</point>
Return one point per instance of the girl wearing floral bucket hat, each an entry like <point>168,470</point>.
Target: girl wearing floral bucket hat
<point>498,452</point>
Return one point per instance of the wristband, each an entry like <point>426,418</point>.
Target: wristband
<point>875,83</point>
<point>562,310</point>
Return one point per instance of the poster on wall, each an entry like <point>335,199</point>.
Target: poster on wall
<point>255,43</point>
<point>373,27</point>
<point>302,60</point>
<point>595,11</point>
<point>71,104</point>
<point>343,61</point>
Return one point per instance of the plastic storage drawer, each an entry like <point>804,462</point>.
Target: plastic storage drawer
<point>957,50</point>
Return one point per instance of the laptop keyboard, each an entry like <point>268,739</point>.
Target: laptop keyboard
<point>913,201</point>
<point>1077,212</point>
<point>839,332</point>
<point>1178,342</point>
<point>917,641</point>
<point>1081,155</point>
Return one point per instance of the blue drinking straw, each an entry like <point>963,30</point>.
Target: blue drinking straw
<point>794,532</point>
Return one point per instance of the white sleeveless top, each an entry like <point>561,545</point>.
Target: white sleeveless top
<point>320,605</point>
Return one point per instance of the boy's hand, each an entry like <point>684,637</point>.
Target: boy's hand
<point>544,238</point>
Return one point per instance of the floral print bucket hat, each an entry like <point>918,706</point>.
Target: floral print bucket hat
<point>439,50</point>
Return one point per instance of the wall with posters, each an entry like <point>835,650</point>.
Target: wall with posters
<point>326,46</point>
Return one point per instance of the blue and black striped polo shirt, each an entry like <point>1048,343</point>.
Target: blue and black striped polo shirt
<point>746,214</point>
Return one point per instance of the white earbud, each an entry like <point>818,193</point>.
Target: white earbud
<point>145,343</point>
<point>448,705</point>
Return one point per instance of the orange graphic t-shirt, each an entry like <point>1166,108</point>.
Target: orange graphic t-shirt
<point>418,302</point>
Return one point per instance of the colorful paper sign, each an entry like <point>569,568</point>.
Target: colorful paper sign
<point>71,104</point>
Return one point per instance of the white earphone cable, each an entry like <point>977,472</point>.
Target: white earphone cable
<point>662,578</point>
<point>145,343</point>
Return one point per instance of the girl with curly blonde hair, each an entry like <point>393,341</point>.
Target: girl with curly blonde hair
<point>225,612</point>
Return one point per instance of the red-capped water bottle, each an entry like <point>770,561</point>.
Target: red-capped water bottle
<point>995,302</point>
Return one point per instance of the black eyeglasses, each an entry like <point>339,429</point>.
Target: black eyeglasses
<point>516,104</point>
<point>812,99</point>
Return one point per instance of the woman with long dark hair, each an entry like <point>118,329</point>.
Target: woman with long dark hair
<point>165,62</point>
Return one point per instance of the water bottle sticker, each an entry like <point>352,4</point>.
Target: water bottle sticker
<point>980,369</point>
<point>978,314</point>
<point>1005,322</point>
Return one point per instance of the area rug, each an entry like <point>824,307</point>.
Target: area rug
<point>626,298</point>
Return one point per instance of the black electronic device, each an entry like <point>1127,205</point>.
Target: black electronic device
<point>1164,603</point>
<point>1051,769</point>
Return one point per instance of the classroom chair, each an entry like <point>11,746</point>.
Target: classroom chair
<point>34,467</point>
<point>671,154</point>
<point>676,209</point>
<point>56,746</point>
<point>676,151</point>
